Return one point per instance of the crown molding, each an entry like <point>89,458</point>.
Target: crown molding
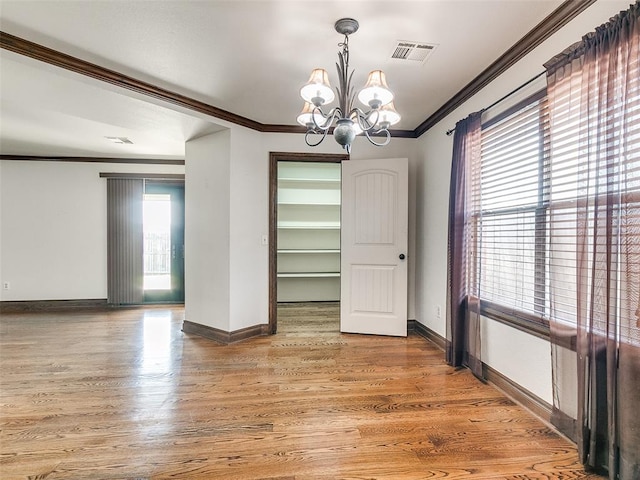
<point>136,161</point>
<point>170,177</point>
<point>50,56</point>
<point>53,57</point>
<point>557,19</point>
<point>551,24</point>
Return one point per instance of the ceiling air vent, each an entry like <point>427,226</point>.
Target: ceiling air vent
<point>119,140</point>
<point>417,52</point>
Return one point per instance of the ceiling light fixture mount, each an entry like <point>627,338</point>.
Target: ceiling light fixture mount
<point>350,121</point>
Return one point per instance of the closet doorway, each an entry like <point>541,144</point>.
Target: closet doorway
<point>304,231</point>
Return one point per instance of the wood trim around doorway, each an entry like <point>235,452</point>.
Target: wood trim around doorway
<point>274,158</point>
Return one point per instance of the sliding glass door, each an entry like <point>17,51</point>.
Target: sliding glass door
<point>163,232</point>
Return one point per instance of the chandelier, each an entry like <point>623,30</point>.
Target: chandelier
<point>349,120</point>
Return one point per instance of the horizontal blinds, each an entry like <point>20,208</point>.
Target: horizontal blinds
<point>510,210</point>
<point>556,203</point>
<point>567,147</point>
<point>595,196</point>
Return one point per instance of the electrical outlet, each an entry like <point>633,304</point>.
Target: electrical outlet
<point>438,311</point>
<point>6,286</point>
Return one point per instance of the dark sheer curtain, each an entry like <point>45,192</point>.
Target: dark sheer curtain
<point>594,107</point>
<point>463,303</point>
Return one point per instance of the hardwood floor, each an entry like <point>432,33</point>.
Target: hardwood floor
<point>126,395</point>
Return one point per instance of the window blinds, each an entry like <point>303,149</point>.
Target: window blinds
<point>511,206</point>
<point>595,195</point>
<point>553,188</point>
<point>124,241</point>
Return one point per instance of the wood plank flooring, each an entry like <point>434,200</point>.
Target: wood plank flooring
<point>126,395</point>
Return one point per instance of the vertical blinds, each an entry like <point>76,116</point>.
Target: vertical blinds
<point>124,241</point>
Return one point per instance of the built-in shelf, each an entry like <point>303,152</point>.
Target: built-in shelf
<point>321,181</point>
<point>311,203</point>
<point>309,225</point>
<point>300,250</point>
<point>308,231</point>
<point>309,275</point>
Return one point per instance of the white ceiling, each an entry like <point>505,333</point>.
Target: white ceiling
<point>247,57</point>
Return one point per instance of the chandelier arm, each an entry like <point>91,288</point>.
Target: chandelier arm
<point>386,141</point>
<point>329,118</point>
<point>364,121</point>
<point>369,115</point>
<point>313,131</point>
<point>360,118</point>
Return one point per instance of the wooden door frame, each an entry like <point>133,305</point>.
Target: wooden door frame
<point>274,158</point>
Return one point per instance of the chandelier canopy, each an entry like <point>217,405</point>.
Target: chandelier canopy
<point>349,120</point>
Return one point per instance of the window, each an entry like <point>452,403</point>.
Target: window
<point>595,191</point>
<point>156,228</point>
<point>526,217</point>
<point>511,212</point>
<point>536,179</point>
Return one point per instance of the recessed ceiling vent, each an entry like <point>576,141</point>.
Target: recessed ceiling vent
<point>119,140</point>
<point>413,52</point>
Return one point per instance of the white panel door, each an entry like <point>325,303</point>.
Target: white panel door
<point>373,265</point>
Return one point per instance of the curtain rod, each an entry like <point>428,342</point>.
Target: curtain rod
<point>515,90</point>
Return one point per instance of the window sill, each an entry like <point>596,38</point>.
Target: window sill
<point>536,326</point>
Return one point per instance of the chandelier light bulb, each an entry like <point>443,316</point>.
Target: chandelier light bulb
<point>317,90</point>
<point>388,115</point>
<point>376,91</point>
<point>307,116</point>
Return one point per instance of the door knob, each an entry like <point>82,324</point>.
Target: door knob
<point>401,257</point>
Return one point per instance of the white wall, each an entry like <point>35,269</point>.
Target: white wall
<point>53,243</point>
<point>1,276</point>
<point>249,222</point>
<point>522,357</point>
<point>207,221</point>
